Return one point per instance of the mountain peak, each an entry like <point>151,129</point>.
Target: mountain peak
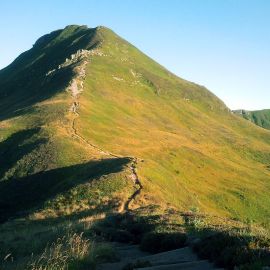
<point>85,94</point>
<point>91,129</point>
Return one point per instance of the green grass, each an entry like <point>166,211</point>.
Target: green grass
<point>195,150</point>
<point>225,242</point>
<point>193,153</point>
<point>53,245</point>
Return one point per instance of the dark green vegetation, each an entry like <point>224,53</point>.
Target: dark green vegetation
<point>89,123</point>
<point>225,243</point>
<point>136,265</point>
<point>260,118</point>
<point>234,249</point>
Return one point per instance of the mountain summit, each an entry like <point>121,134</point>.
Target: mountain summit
<point>87,119</point>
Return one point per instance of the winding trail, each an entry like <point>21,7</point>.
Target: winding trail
<point>76,87</point>
<point>137,183</point>
<point>183,258</point>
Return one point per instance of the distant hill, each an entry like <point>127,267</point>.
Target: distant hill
<point>87,120</point>
<point>260,118</point>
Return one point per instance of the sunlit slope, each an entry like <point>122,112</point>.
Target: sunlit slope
<point>195,152</point>
<point>43,165</point>
<point>192,151</point>
<point>35,108</point>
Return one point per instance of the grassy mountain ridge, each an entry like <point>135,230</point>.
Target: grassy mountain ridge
<point>260,118</point>
<point>37,140</point>
<point>26,76</point>
<point>174,131</point>
<point>192,151</point>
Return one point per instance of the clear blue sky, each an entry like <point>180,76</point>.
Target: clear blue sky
<point>221,44</point>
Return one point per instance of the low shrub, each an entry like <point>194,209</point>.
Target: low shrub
<point>158,242</point>
<point>114,234</point>
<point>137,264</point>
<point>138,229</point>
<point>212,246</point>
<point>101,253</point>
<point>233,250</point>
<point>122,228</point>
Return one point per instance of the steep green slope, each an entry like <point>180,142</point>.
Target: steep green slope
<point>260,118</point>
<point>45,166</point>
<point>82,96</point>
<point>195,152</point>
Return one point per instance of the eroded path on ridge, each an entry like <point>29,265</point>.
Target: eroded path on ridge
<point>183,258</point>
<point>81,59</point>
<point>136,182</point>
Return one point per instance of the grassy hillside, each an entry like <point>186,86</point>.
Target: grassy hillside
<point>193,152</point>
<point>88,123</point>
<point>43,163</point>
<point>260,118</point>
<point>196,153</point>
